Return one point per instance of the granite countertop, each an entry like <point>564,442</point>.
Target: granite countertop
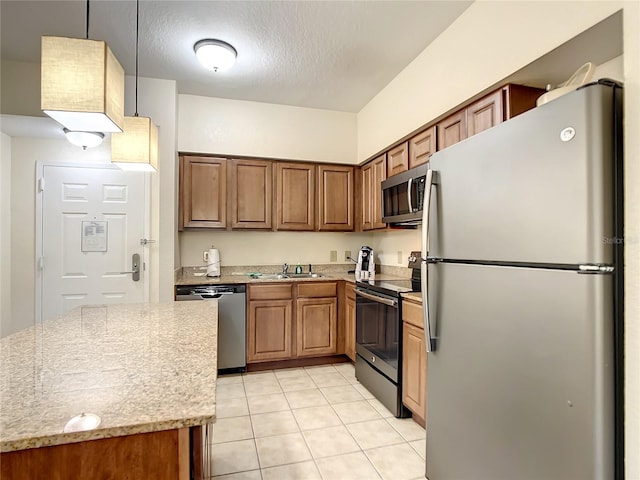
<point>415,296</point>
<point>140,367</point>
<point>240,275</point>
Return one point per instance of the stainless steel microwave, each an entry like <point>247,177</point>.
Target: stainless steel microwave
<point>403,196</point>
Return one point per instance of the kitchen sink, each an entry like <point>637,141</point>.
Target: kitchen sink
<point>280,276</point>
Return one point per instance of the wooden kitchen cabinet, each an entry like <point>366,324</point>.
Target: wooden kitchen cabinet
<point>422,146</point>
<point>269,322</point>
<point>492,109</point>
<point>414,360</point>
<point>373,173</point>
<point>316,319</point>
<point>350,321</point>
<point>335,198</point>
<point>398,159</point>
<point>250,194</point>
<point>414,371</point>
<point>204,190</point>
<point>295,196</point>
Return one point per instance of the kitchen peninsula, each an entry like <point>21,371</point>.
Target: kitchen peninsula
<point>148,371</point>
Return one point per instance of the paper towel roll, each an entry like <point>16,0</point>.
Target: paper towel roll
<point>213,263</point>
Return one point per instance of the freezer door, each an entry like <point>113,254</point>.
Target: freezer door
<point>537,188</point>
<point>520,385</point>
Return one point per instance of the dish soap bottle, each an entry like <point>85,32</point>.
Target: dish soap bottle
<point>298,268</point>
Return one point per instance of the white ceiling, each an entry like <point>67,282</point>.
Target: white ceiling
<point>333,55</point>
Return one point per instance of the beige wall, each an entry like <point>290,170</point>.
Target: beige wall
<point>20,89</point>
<point>487,43</point>
<point>6,321</point>
<point>217,125</point>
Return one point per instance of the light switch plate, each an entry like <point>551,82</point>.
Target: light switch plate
<point>333,256</point>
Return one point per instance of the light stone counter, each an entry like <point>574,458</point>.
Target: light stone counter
<point>140,367</point>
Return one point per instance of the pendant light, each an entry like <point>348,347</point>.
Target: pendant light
<point>136,148</point>
<point>82,84</point>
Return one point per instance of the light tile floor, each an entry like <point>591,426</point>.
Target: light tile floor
<point>313,423</point>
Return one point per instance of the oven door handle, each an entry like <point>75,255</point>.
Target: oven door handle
<point>376,298</point>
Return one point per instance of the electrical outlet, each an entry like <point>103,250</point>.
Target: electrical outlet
<point>400,259</point>
<point>333,256</point>
<point>347,255</point>
<point>205,256</point>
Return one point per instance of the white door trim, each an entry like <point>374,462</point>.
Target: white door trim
<point>40,165</point>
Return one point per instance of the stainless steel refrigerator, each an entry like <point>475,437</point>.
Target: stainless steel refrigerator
<point>522,287</point>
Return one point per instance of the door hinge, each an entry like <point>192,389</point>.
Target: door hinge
<point>41,184</point>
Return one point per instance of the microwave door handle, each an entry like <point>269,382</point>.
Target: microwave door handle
<point>409,186</point>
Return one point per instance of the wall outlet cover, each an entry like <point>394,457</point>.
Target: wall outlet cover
<point>333,256</point>
<point>347,255</point>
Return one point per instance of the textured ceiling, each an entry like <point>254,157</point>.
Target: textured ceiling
<point>334,55</point>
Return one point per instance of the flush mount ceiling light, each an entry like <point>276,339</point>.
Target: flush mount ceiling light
<point>215,55</point>
<point>84,139</point>
<point>136,148</point>
<point>82,84</point>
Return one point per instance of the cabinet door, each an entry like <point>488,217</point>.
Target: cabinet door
<point>350,326</point>
<point>204,182</point>
<point>335,198</point>
<point>452,129</point>
<point>422,146</point>
<point>367,201</point>
<point>414,370</point>
<point>250,183</point>
<point>295,195</point>
<point>316,326</point>
<point>269,330</point>
<point>485,113</point>
<point>379,167</point>
<point>398,159</point>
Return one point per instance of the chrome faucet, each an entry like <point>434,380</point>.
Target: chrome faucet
<point>285,268</point>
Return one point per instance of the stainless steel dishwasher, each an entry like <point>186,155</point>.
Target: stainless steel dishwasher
<point>232,321</point>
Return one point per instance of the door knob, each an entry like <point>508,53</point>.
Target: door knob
<point>135,267</point>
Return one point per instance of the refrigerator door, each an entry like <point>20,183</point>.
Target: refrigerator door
<point>520,385</point>
<point>537,188</point>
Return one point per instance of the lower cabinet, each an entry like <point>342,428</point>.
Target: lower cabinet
<point>414,361</point>
<point>414,370</point>
<point>316,326</point>
<point>286,321</point>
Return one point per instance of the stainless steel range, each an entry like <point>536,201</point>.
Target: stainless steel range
<point>379,336</point>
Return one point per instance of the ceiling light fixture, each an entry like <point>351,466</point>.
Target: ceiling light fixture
<point>136,148</point>
<point>215,54</point>
<point>82,84</point>
<point>84,139</point>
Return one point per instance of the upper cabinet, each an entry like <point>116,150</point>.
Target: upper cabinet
<point>335,198</point>
<point>249,186</point>
<point>372,175</point>
<point>203,198</point>
<point>295,196</point>
<point>398,159</point>
<point>490,110</point>
<point>422,146</point>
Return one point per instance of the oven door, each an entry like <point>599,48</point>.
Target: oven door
<point>378,330</point>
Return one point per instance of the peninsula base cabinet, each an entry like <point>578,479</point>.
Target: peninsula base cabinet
<point>414,361</point>
<point>284,326</point>
<point>163,455</point>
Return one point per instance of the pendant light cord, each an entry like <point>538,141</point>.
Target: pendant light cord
<point>87,19</point>
<point>137,34</point>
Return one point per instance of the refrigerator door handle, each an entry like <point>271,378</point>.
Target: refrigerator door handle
<point>424,273</point>
<point>429,341</point>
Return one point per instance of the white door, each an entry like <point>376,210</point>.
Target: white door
<point>92,220</point>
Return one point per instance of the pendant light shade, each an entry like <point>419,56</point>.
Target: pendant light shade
<point>136,148</point>
<point>82,84</point>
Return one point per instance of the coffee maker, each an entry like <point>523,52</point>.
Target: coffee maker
<point>365,268</point>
